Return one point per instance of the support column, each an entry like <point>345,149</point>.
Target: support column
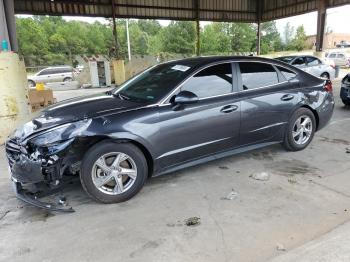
<point>8,24</point>
<point>259,7</point>
<point>321,24</point>
<point>258,39</point>
<point>198,43</point>
<point>198,29</point>
<point>117,62</point>
<point>115,35</point>
<point>11,24</point>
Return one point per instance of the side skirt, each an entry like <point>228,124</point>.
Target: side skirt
<point>212,157</point>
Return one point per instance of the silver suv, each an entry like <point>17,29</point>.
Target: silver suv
<point>52,74</point>
<point>338,58</point>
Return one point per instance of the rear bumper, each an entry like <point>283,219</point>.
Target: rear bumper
<point>325,112</point>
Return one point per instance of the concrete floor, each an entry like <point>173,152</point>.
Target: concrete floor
<point>307,196</point>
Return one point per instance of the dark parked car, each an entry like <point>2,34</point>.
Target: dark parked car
<point>171,116</point>
<point>345,90</point>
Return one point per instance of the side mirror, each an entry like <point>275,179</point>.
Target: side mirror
<point>185,97</point>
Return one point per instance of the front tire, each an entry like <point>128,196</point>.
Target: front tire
<point>346,103</point>
<point>113,172</point>
<point>300,130</point>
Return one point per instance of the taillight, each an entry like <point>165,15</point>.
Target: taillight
<point>328,86</point>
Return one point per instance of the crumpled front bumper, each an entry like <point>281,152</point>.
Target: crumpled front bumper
<point>29,182</point>
<point>33,199</point>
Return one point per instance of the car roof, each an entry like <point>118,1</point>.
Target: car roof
<point>205,60</point>
<point>57,67</point>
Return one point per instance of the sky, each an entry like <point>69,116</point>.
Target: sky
<point>335,21</point>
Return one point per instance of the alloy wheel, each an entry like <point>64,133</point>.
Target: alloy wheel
<point>114,173</point>
<point>302,130</point>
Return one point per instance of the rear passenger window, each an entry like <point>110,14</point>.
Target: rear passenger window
<point>288,74</point>
<point>65,70</point>
<point>312,61</point>
<point>212,81</point>
<point>44,72</point>
<point>299,62</point>
<point>255,75</point>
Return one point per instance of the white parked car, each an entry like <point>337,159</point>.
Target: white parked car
<point>52,74</point>
<point>337,58</point>
<point>310,64</point>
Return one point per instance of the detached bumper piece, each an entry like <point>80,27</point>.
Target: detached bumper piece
<point>33,199</point>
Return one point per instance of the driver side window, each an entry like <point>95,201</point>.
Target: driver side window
<point>212,81</point>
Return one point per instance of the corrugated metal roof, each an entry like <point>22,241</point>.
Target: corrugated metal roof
<point>211,10</point>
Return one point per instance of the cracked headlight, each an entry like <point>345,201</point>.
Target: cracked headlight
<point>60,135</point>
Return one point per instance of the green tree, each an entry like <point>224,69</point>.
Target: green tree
<point>299,40</point>
<point>243,37</point>
<point>215,39</point>
<point>288,36</point>
<point>33,43</point>
<point>179,38</point>
<point>271,40</point>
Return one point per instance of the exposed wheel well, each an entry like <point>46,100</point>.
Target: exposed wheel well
<point>147,154</point>
<point>315,114</point>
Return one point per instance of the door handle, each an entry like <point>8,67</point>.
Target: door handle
<point>229,109</point>
<point>287,97</point>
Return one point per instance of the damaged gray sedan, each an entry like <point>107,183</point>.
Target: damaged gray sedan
<point>171,116</point>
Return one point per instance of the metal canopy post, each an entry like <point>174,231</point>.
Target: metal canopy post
<point>321,24</point>
<point>258,31</point>
<point>258,39</point>
<point>198,40</point>
<point>116,43</point>
<point>8,24</point>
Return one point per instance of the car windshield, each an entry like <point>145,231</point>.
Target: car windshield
<point>286,59</point>
<point>154,83</point>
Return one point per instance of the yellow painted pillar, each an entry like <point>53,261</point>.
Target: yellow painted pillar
<point>118,71</point>
<point>14,106</point>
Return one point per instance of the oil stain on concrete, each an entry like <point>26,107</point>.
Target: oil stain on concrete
<point>290,168</point>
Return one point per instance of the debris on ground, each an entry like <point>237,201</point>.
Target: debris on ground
<point>232,195</point>
<point>192,221</point>
<point>280,247</point>
<point>292,180</point>
<point>347,150</point>
<point>223,167</point>
<point>62,201</point>
<point>262,176</point>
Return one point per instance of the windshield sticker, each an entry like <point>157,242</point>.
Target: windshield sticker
<point>181,68</point>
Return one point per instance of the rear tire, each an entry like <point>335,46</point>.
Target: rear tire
<point>68,79</point>
<point>300,130</point>
<point>113,172</point>
<point>31,84</point>
<point>325,75</point>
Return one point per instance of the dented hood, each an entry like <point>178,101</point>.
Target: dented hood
<point>76,109</point>
<point>85,107</point>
